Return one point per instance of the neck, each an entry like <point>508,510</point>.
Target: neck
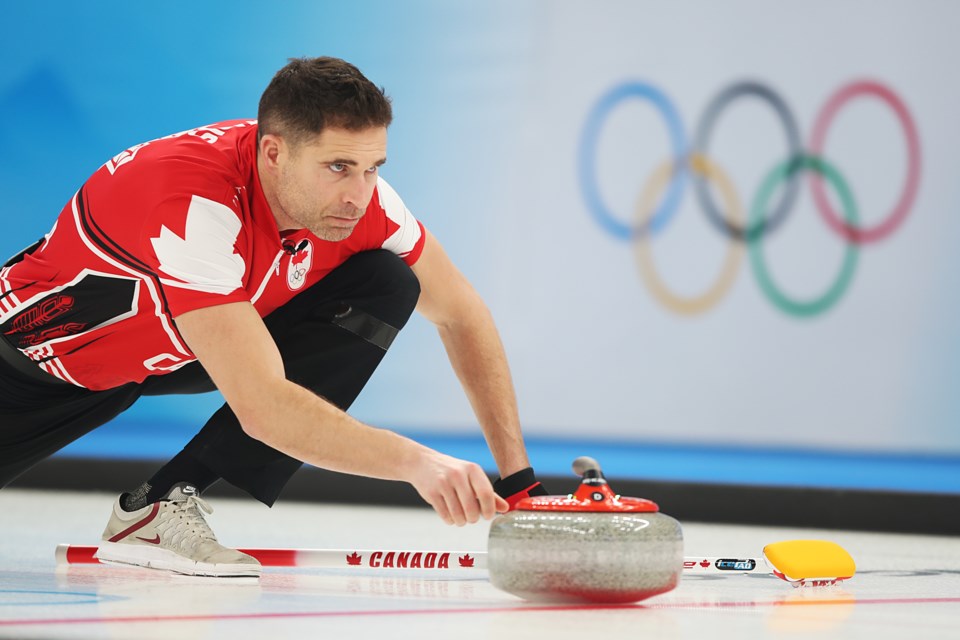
<point>268,184</point>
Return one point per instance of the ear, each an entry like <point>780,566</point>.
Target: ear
<point>273,148</point>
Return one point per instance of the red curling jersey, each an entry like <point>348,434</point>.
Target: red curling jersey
<point>165,227</point>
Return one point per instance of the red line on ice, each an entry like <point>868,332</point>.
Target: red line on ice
<point>407,612</point>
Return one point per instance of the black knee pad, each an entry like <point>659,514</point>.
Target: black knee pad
<point>383,286</point>
<point>371,295</point>
<point>381,293</point>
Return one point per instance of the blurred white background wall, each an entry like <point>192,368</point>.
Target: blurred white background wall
<point>524,136</point>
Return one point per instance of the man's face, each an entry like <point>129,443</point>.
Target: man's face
<point>325,184</point>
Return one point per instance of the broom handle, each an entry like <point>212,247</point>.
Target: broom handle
<point>394,559</point>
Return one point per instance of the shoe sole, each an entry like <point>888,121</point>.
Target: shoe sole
<point>159,558</point>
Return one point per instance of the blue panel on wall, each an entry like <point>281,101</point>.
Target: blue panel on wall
<point>494,126</point>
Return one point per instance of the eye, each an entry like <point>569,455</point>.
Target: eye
<point>373,169</point>
<point>338,167</point>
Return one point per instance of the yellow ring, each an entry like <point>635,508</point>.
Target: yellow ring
<point>646,203</point>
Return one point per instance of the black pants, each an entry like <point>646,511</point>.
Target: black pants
<point>331,336</point>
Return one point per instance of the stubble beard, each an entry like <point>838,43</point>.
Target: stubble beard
<point>304,214</point>
<point>331,233</point>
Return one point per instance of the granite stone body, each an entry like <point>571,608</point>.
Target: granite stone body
<point>584,556</point>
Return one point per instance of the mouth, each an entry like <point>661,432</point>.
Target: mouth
<point>338,221</point>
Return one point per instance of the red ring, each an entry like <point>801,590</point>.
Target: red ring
<point>881,230</point>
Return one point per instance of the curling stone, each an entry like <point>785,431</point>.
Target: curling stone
<point>591,546</point>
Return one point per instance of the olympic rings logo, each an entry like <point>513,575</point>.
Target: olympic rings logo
<point>660,197</point>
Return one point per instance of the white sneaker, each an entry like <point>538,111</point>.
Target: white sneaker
<point>173,535</point>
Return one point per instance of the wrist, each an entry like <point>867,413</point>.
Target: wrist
<point>409,459</point>
<point>519,485</point>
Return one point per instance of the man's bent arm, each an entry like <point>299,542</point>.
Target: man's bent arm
<point>473,345</point>
<point>237,351</point>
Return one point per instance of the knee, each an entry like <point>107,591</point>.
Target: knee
<point>389,288</point>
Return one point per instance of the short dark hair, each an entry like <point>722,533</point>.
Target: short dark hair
<point>310,94</point>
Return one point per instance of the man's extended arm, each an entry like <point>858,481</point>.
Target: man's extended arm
<point>237,351</point>
<point>466,327</point>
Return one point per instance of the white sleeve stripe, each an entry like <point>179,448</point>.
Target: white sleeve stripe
<point>404,239</point>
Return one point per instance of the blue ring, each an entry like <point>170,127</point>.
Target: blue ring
<point>588,148</point>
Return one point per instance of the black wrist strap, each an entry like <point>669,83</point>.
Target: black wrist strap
<point>515,482</point>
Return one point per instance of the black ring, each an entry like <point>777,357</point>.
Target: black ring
<point>702,139</point>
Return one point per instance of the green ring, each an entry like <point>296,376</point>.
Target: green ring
<point>783,171</point>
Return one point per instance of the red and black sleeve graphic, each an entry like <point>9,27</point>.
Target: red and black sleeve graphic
<point>92,301</point>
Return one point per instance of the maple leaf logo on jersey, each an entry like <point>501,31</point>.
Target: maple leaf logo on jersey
<point>466,560</point>
<point>354,559</point>
<point>204,259</point>
<point>300,256</point>
<point>299,266</point>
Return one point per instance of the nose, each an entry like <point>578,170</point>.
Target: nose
<point>358,190</point>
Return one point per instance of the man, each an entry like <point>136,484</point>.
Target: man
<point>266,259</point>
